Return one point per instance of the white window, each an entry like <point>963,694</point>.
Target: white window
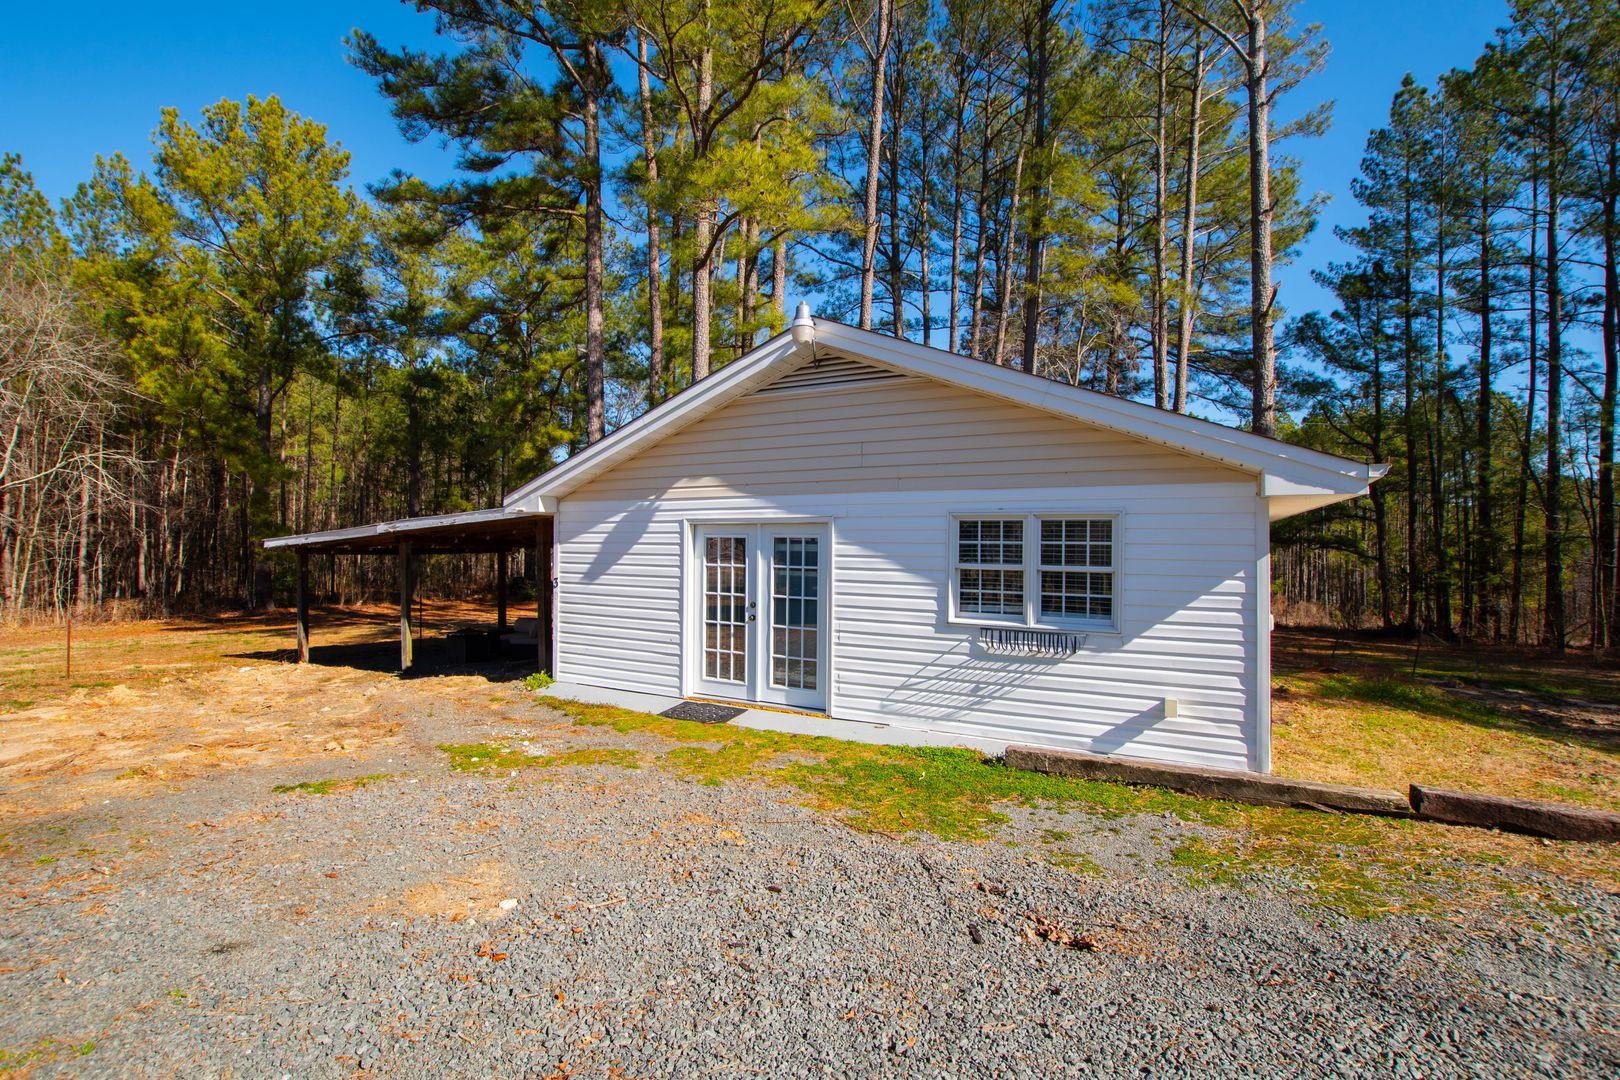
<point>990,567</point>
<point>1077,569</point>
<point>1035,570</point>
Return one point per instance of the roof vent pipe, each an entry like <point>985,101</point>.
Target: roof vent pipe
<point>804,327</point>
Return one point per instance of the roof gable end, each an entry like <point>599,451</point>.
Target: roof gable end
<point>1292,478</point>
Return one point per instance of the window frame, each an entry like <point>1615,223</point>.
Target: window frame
<point>1031,616</point>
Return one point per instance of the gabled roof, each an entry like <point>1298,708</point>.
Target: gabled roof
<point>1291,478</point>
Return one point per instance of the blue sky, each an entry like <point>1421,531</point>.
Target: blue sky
<point>82,79</point>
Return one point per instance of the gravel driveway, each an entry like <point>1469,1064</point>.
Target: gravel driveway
<point>597,920</point>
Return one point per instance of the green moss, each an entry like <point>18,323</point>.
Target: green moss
<point>1076,861</point>
<point>1359,866</point>
<point>326,787</point>
<point>950,792</point>
<point>476,757</point>
<point>617,756</point>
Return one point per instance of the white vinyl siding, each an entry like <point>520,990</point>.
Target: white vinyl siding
<point>1186,609</point>
<point>900,434</point>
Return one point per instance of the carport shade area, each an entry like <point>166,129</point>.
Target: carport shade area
<point>495,532</point>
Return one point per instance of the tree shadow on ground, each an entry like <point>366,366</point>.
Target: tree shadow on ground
<point>433,656</point>
<point>1569,697</point>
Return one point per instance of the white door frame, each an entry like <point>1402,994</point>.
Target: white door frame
<point>757,685</point>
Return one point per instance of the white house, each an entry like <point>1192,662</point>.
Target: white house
<point>845,523</point>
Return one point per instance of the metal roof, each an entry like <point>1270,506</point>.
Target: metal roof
<point>473,531</point>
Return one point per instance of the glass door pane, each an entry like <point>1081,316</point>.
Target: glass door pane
<point>796,612</point>
<point>725,608</point>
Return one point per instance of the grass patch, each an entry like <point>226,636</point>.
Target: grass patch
<point>1075,861</point>
<point>538,681</point>
<point>616,756</point>
<point>1359,866</point>
<point>476,757</point>
<point>326,787</point>
<point>1383,730</point>
<point>949,792</point>
<point>1410,696</point>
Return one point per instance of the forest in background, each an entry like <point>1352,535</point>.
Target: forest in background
<point>231,341</point>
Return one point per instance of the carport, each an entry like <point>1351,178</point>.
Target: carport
<point>497,532</point>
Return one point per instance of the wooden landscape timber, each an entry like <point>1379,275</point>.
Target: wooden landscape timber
<point>1250,787</point>
<point>1533,817</point>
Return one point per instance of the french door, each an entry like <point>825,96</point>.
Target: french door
<point>761,618</point>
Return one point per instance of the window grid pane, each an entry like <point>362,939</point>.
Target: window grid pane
<point>795,635</point>
<point>991,592</point>
<point>725,608</point>
<point>1069,542</point>
<point>990,542</point>
<point>1077,594</point>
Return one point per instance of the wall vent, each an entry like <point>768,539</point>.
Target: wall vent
<point>830,371</point>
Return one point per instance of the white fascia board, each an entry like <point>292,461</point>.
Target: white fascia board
<point>1203,438</point>
<point>732,381</point>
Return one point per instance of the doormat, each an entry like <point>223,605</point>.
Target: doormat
<point>703,712</point>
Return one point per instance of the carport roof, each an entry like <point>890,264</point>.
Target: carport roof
<point>471,532</point>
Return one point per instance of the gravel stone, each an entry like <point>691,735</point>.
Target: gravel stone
<point>243,932</point>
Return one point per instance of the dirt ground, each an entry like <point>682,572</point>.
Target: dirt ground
<point>215,860</point>
<point>157,703</point>
<point>146,700</point>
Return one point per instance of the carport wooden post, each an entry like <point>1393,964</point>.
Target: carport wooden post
<point>542,591</point>
<point>405,589</point>
<point>500,590</point>
<point>302,604</point>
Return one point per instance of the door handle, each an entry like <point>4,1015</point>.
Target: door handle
<point>752,616</point>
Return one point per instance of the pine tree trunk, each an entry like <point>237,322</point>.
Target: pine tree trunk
<point>897,253</point>
<point>1553,493</point>
<point>1004,291</point>
<point>874,162</point>
<point>1261,292</point>
<point>958,120</point>
<point>655,270</point>
<point>1414,580</point>
<point>981,204</point>
<point>1386,612</point>
<point>1035,240</point>
<point>1189,226</point>
<point>1608,558</point>
<point>702,238</point>
<point>1161,211</point>
<point>1486,608</point>
<point>1437,463</point>
<point>595,342</point>
<point>1522,507</point>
